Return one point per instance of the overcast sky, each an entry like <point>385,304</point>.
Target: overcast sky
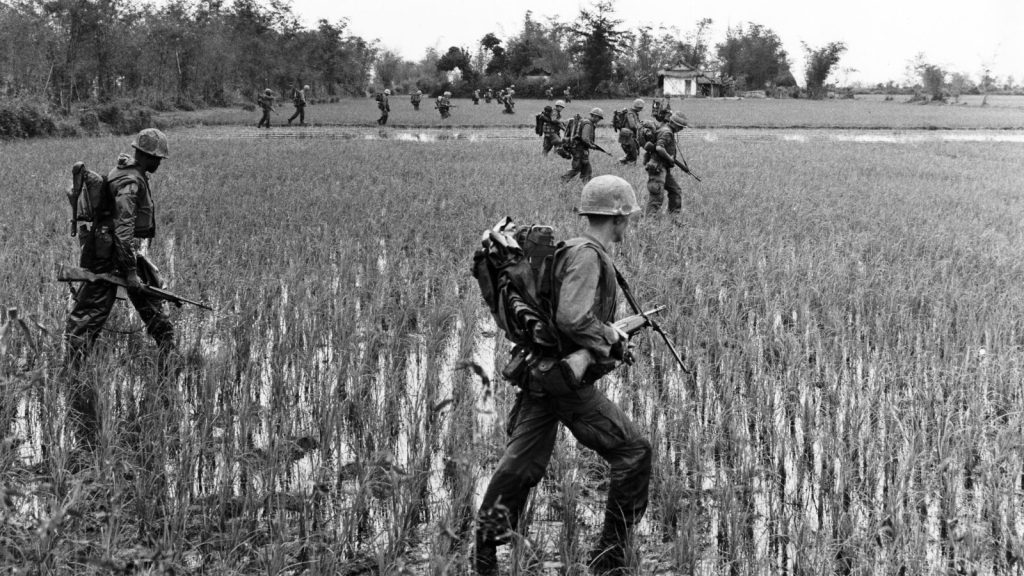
<point>881,35</point>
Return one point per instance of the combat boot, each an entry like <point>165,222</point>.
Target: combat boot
<point>485,559</point>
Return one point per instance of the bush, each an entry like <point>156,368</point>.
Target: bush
<point>125,117</point>
<point>89,121</point>
<point>26,120</point>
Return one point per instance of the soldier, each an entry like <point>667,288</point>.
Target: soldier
<point>550,93</point>
<point>111,245</point>
<point>266,103</point>
<point>585,292</point>
<point>551,129</point>
<point>384,106</point>
<point>500,98</point>
<point>628,133</point>
<point>567,94</point>
<point>510,104</point>
<point>488,96</point>
<point>299,100</point>
<point>580,148</point>
<point>476,97</point>
<point>559,106</point>
<point>659,159</point>
<point>444,105</point>
<point>415,98</point>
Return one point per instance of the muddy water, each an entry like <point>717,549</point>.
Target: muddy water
<point>435,135</point>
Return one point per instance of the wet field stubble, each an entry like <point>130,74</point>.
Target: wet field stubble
<point>853,312</point>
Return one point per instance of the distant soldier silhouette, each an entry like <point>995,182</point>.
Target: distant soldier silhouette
<point>266,103</point>
<point>299,101</point>
<point>384,106</point>
<point>415,98</point>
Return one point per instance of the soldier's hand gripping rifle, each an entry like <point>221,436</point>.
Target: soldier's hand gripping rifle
<point>574,366</point>
<point>652,149</point>
<point>75,274</point>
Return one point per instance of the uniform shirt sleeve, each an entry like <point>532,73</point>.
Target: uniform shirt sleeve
<point>575,314</point>
<point>633,121</point>
<point>587,134</point>
<point>125,202</point>
<point>666,141</point>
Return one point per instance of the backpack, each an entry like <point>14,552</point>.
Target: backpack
<point>539,128</point>
<point>90,194</point>
<point>513,269</point>
<point>619,119</point>
<point>648,132</point>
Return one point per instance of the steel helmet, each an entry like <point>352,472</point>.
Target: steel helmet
<point>306,87</point>
<point>608,195</point>
<point>387,91</point>
<point>678,120</point>
<point>447,94</point>
<point>638,104</point>
<point>268,92</point>
<point>597,112</point>
<point>547,109</point>
<point>559,103</point>
<point>153,142</point>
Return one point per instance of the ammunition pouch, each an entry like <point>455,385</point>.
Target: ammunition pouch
<point>548,376</point>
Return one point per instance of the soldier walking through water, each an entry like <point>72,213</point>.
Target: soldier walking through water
<point>659,159</point>
<point>266,103</point>
<point>580,148</point>
<point>111,244</point>
<point>628,133</point>
<point>299,100</point>
<point>584,298</point>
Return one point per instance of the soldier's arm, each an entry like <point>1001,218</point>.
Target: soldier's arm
<point>661,149</point>
<point>125,201</point>
<point>575,316</point>
<point>588,134</point>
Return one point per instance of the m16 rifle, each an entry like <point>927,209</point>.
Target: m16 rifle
<point>574,366</point>
<point>76,274</point>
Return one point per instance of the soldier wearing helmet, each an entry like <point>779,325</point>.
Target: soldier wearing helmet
<point>113,247</point>
<point>629,131</point>
<point>266,103</point>
<point>415,97</point>
<point>299,101</point>
<point>444,105</point>
<point>559,106</point>
<point>384,106</point>
<point>510,104</point>
<point>659,159</point>
<point>550,130</point>
<point>580,143</point>
<point>585,298</point>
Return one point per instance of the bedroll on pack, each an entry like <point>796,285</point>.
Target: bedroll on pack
<point>512,269</point>
<point>573,132</point>
<point>539,128</point>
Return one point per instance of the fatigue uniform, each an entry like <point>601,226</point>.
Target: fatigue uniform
<point>488,95</point>
<point>476,97</point>
<point>586,296</point>
<point>299,100</point>
<point>266,103</point>
<point>581,154</point>
<point>660,179</point>
<point>628,136</point>
<point>510,104</point>
<point>113,242</point>
<point>385,108</point>
<point>552,130</point>
<point>415,99</point>
<point>550,93</point>
<point>444,106</point>
<point>566,95</point>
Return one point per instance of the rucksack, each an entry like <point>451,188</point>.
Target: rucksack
<point>539,128</point>
<point>92,195</point>
<point>619,119</point>
<point>648,132</point>
<point>513,271</point>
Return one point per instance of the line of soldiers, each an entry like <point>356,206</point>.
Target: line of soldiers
<point>265,101</point>
<point>549,93</point>
<point>655,138</point>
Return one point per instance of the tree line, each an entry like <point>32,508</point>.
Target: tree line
<point>187,53</point>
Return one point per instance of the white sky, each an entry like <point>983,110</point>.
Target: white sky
<point>881,35</point>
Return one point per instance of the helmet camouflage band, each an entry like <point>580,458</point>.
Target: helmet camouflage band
<point>608,195</point>
<point>447,94</point>
<point>268,92</point>
<point>597,112</point>
<point>306,87</point>
<point>559,103</point>
<point>638,104</point>
<point>387,91</point>
<point>153,142</point>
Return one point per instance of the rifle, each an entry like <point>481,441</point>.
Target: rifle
<point>628,292</point>
<point>574,366</point>
<point>596,146</point>
<point>76,274</point>
<point>649,147</point>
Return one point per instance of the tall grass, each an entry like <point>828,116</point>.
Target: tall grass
<point>852,312</point>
